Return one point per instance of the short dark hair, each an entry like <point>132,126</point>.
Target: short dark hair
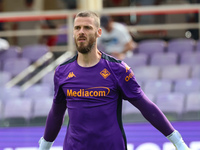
<point>90,14</point>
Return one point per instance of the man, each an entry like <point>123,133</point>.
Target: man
<point>91,86</point>
<point>116,39</point>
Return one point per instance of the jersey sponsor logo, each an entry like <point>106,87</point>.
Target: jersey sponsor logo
<point>127,67</point>
<point>70,75</point>
<point>105,73</point>
<point>89,92</point>
<point>129,76</point>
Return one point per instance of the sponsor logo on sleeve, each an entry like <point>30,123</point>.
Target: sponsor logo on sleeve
<point>130,75</point>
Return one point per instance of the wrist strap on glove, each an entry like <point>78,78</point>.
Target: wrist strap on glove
<point>44,145</point>
<point>177,140</point>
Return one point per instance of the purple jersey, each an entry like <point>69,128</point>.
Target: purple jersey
<point>93,97</point>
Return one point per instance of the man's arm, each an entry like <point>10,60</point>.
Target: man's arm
<point>53,125</point>
<point>155,116</point>
<point>129,46</point>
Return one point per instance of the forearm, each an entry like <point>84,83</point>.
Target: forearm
<point>154,115</point>
<point>131,45</point>
<point>54,121</point>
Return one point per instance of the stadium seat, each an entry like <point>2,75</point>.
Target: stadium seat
<point>187,86</point>
<point>190,58</point>
<point>1,111</point>
<point>151,46</point>
<point>192,109</point>
<point>130,113</point>
<point>37,92</point>
<point>4,77</point>
<point>197,46</point>
<point>10,93</point>
<point>12,52</point>
<point>158,86</point>
<point>164,59</point>
<point>147,73</point>
<point>136,60</point>
<point>171,104</point>
<point>15,65</point>
<point>41,109</point>
<point>195,73</point>
<point>34,52</point>
<point>175,72</point>
<point>48,79</point>
<point>181,45</point>
<point>17,112</point>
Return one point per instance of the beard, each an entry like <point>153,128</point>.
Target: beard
<point>85,49</point>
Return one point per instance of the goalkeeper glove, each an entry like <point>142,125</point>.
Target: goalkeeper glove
<point>177,140</point>
<point>44,145</point>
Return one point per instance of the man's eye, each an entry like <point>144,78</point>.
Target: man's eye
<point>76,28</point>
<point>87,27</point>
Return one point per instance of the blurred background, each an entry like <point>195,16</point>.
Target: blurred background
<point>36,36</point>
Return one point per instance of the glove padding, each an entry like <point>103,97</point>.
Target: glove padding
<point>177,140</point>
<point>44,145</point>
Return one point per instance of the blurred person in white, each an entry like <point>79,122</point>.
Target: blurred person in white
<point>115,39</point>
<point>4,45</point>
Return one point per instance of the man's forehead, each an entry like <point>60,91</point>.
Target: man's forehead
<point>84,21</point>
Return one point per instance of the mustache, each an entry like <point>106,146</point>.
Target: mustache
<point>81,37</point>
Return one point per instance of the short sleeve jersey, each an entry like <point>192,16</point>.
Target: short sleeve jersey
<point>94,97</point>
<point>115,40</point>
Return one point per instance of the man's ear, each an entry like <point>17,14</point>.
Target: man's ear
<point>99,32</point>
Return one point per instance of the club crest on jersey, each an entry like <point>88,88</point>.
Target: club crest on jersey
<point>70,75</point>
<point>105,73</point>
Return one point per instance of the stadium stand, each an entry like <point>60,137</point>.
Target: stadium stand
<point>164,59</point>
<point>175,72</point>
<point>41,109</point>
<point>172,104</point>
<point>34,52</point>
<point>181,45</point>
<point>4,77</point>
<point>158,86</point>
<point>195,73</point>
<point>151,46</point>
<point>17,112</point>
<point>192,106</point>
<point>137,60</point>
<point>190,58</point>
<point>15,65</point>
<point>187,86</point>
<point>165,76</point>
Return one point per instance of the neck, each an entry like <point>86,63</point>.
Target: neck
<point>90,59</point>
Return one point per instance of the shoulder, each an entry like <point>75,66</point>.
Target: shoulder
<point>59,69</point>
<point>119,26</point>
<point>69,61</point>
<point>115,65</point>
<point>110,58</point>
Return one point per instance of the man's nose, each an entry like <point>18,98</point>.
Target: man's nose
<point>81,31</point>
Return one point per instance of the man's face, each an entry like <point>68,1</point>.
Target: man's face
<point>85,34</point>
